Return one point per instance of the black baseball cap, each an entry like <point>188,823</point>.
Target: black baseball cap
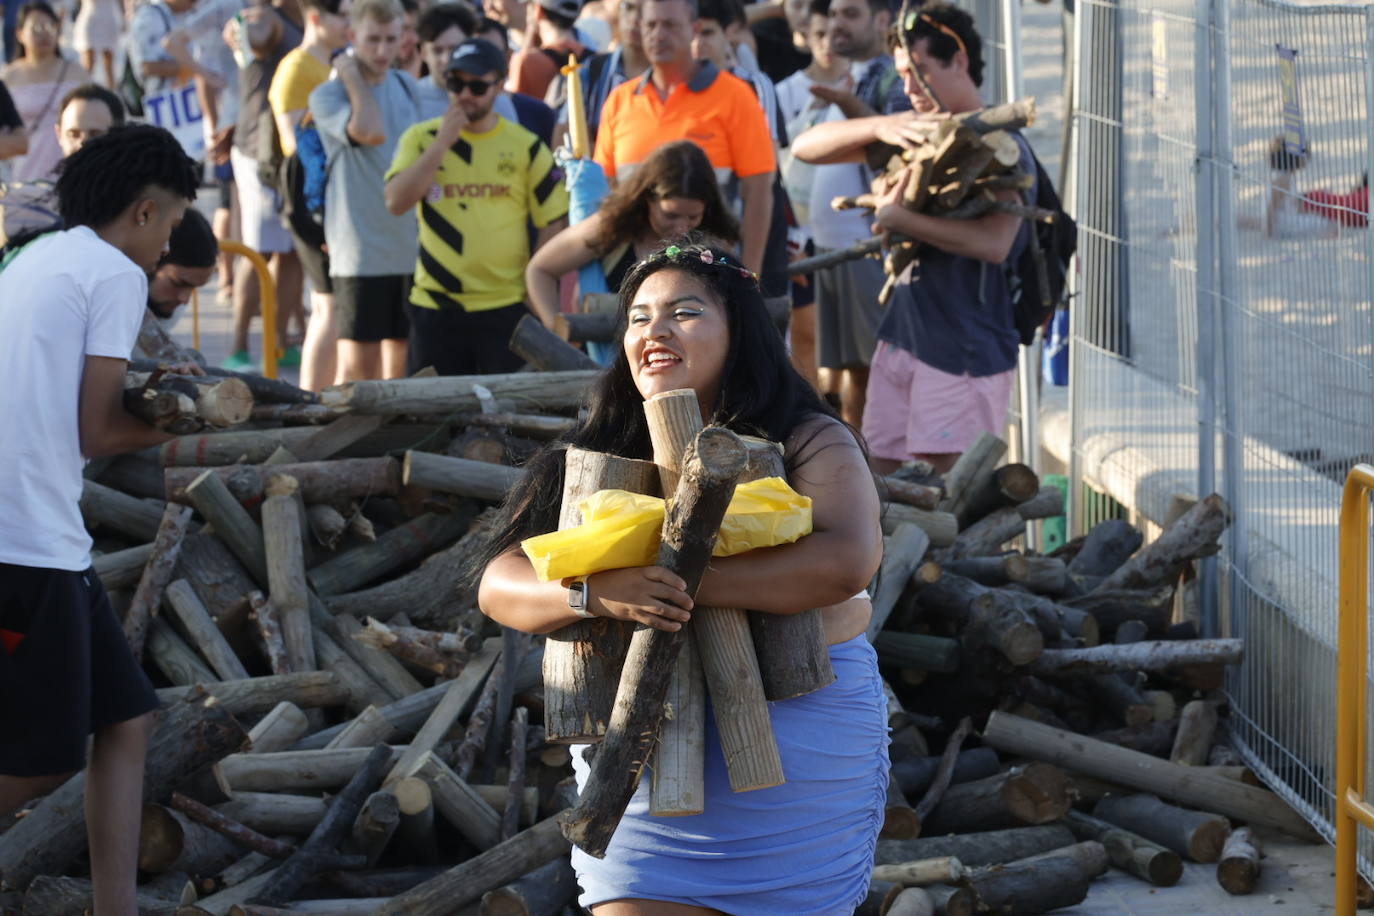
<point>477,56</point>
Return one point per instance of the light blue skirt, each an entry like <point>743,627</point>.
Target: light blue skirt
<point>804,848</point>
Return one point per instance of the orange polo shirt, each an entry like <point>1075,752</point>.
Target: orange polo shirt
<point>715,110</point>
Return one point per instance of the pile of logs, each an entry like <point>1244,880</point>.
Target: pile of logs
<point>344,732</point>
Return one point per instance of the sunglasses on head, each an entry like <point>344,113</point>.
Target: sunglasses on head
<point>457,84</point>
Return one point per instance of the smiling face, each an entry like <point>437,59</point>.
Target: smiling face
<point>678,336</point>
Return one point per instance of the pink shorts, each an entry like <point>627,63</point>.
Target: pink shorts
<point>913,408</point>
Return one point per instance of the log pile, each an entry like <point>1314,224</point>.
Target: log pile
<point>344,732</point>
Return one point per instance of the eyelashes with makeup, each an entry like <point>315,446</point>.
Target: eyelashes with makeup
<point>635,317</point>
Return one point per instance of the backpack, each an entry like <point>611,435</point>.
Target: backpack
<point>1038,277</point>
<point>304,176</point>
<point>130,86</point>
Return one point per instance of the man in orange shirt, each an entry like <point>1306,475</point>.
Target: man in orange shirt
<point>685,99</point>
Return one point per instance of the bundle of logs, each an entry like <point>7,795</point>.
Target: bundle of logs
<point>344,732</point>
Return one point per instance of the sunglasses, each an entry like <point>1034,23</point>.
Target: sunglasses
<point>457,84</point>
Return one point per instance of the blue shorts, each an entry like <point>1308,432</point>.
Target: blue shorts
<point>804,848</point>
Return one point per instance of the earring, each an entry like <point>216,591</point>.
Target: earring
<point>142,220</point>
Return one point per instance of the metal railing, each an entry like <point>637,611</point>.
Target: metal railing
<point>1352,706</point>
<point>268,304</point>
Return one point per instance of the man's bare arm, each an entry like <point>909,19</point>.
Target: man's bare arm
<point>106,427</point>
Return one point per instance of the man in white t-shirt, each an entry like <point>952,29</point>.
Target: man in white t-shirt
<point>71,304</point>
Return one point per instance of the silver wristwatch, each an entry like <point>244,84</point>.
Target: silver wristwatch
<point>579,597</point>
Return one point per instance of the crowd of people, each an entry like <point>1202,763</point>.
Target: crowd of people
<point>394,164</point>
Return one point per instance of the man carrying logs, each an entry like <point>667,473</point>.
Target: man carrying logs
<point>947,345</point>
<point>71,305</point>
<point>696,320</point>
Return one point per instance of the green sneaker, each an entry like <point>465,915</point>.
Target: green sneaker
<point>290,358</point>
<point>240,362</point>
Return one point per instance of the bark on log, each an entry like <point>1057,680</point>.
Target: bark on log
<point>940,784</point>
<point>166,547</point>
<point>529,391</point>
<point>60,896</point>
<point>416,831</point>
<point>976,849</point>
<point>917,774</point>
<point>1008,485</point>
<point>988,534</point>
<point>912,650</point>
<point>327,524</point>
<point>526,425</point>
<point>274,813</point>
<point>334,438</point>
<point>363,730</point>
<point>1141,656</point>
<point>543,892</point>
<point>1113,607</point>
<point>1028,889</point>
<point>1129,851</point>
<point>1153,738</point>
<point>459,803</point>
<point>510,816</point>
<point>379,636</point>
<point>231,522</point>
<point>278,730</point>
<point>984,617</point>
<point>900,821</point>
<point>257,446</point>
<point>295,771</point>
<point>182,404</point>
<point>178,661</point>
<point>987,450</point>
<point>267,390</point>
<point>320,481</point>
<point>109,508</point>
<point>902,553</point>
<point>220,581</point>
<point>122,568</point>
<point>494,868</point>
<point>689,534</point>
<point>281,535</point>
<point>1194,834</point>
<point>1034,794</point>
<point>398,547</point>
<point>1190,785</point>
<point>918,496</point>
<point>1056,619</point>
<point>953,901</point>
<point>939,870</point>
<point>1193,535</point>
<point>1109,544</point>
<point>170,841</point>
<point>1239,868</point>
<point>940,527</point>
<point>257,695</point>
<point>1197,726</point>
<point>266,622</point>
<point>196,623</point>
<point>545,350</point>
<point>793,657</point>
<point>478,479</point>
<point>432,732</point>
<point>190,734</point>
<point>375,824</point>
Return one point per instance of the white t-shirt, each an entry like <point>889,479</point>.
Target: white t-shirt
<point>69,295</point>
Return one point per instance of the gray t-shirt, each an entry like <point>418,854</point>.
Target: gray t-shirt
<point>364,238</point>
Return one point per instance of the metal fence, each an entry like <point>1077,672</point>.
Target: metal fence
<point>1223,336</point>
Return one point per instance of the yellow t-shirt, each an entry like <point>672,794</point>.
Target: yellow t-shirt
<point>474,243</point>
<point>298,74</point>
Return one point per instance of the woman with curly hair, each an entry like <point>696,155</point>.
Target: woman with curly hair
<point>692,317</point>
<point>671,193</point>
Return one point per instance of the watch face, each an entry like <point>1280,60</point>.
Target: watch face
<point>577,596</point>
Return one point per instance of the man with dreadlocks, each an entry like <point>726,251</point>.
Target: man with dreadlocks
<point>947,345</point>
<point>71,305</point>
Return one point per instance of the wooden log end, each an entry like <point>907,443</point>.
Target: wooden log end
<point>281,485</point>
<point>900,823</point>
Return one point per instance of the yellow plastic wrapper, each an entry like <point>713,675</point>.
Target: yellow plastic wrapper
<point>621,529</point>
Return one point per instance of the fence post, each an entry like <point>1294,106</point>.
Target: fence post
<point>1078,318</point>
<point>1208,302</point>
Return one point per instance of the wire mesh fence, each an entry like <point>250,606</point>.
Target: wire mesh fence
<point>1222,332</point>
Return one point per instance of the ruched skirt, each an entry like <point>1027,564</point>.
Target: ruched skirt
<point>804,848</point>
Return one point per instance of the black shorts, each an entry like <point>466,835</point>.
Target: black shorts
<point>371,309</point>
<point>70,675</point>
<point>458,342</point>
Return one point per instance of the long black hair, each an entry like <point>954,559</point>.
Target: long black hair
<point>760,393</point>
<point>112,171</point>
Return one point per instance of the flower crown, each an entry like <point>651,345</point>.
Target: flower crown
<point>706,256</point>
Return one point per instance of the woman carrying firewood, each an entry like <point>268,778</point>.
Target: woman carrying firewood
<point>694,318</point>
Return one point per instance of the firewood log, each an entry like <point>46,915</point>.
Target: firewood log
<point>295,771</point>
<point>984,617</point>
<point>122,568</point>
<point>183,404</point>
<point>274,813</point>
<point>918,496</point>
<point>61,896</point>
<point>1197,835</point>
<point>1141,656</point>
<point>916,774</point>
<point>277,730</point>
<point>361,688</point>
<point>376,882</point>
<point>1140,771</point>
<point>1193,535</point>
<point>455,699</point>
<point>900,821</point>
<point>881,894</point>
<point>375,824</point>
<point>912,650</point>
<point>493,869</point>
<point>379,636</point>
<point>266,629</point>
<point>1034,794</point>
<point>1153,738</point>
<point>1008,485</point>
<point>166,548</point>
<point>109,508</point>
<point>257,445</point>
<point>1196,727</point>
<point>979,459</point>
<point>459,803</point>
<point>173,657</point>
<point>545,350</point>
<point>976,849</point>
<point>1028,888</point>
<point>1111,608</point>
<point>398,547</point>
<point>294,414</point>
<point>190,734</point>
<point>1121,698</point>
<point>1129,851</point>
<point>543,892</point>
<point>952,901</point>
<point>415,800</point>
<point>1239,868</point>
<point>527,425</point>
<point>257,695</point>
<point>188,610</point>
<point>921,873</point>
<point>510,815</point>
<point>539,391</point>
<point>704,490</point>
<point>363,730</point>
<point>902,553</point>
<point>478,479</point>
<point>1054,619</point>
<point>940,527</point>
<point>584,327</point>
<point>170,841</point>
<point>320,481</point>
<point>220,581</point>
<point>1109,544</point>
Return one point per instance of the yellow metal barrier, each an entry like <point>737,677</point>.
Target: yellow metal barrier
<point>267,297</point>
<point>1352,676</point>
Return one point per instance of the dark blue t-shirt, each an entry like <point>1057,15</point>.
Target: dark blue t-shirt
<point>955,313</point>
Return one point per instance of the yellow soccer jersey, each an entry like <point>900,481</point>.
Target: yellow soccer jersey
<point>474,243</point>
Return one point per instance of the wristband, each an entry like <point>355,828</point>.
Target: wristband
<point>579,598</point>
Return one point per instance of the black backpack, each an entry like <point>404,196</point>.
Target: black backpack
<point>1039,275</point>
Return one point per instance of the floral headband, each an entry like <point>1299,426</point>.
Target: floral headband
<point>706,256</point>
